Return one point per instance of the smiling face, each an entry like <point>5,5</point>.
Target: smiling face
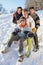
<point>25,13</point>
<point>23,24</point>
<point>19,11</point>
<point>32,11</point>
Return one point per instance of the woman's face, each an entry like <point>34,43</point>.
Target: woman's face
<point>25,14</point>
<point>19,11</point>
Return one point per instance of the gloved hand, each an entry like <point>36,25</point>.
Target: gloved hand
<point>34,30</point>
<point>30,34</point>
<point>16,31</point>
<point>26,32</point>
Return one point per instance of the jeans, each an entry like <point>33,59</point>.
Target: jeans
<point>36,40</point>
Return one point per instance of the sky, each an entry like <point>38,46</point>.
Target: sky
<point>12,4</point>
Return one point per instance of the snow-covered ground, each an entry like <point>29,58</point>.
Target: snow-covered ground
<point>10,58</point>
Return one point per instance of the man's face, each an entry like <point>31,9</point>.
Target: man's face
<point>32,11</point>
<point>19,11</point>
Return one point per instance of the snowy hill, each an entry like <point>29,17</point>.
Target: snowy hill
<point>10,58</point>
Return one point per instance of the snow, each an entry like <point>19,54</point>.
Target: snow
<point>10,58</point>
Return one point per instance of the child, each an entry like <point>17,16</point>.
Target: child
<point>19,34</point>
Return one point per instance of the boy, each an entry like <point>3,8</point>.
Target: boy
<point>37,24</point>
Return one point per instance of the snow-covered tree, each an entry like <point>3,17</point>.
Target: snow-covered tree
<point>2,9</point>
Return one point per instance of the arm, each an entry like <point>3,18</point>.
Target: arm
<point>32,23</point>
<point>37,21</point>
<point>14,18</point>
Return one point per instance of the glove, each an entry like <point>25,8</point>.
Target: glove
<point>16,31</point>
<point>34,30</point>
<point>26,32</point>
<point>30,34</point>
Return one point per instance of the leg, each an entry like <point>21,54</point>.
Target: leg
<point>21,56</point>
<point>13,38</point>
<point>36,47</point>
<point>21,45</point>
<point>36,40</point>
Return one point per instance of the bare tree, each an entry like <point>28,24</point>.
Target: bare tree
<point>38,4</point>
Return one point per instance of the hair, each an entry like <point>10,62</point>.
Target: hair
<point>25,10</point>
<point>22,19</point>
<point>19,8</point>
<point>31,8</point>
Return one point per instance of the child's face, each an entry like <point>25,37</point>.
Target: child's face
<point>23,23</point>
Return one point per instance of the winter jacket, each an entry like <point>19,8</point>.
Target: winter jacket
<point>21,29</point>
<point>36,19</point>
<point>30,22</point>
<point>16,17</point>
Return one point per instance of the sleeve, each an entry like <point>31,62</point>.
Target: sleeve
<point>32,23</point>
<point>37,24</point>
<point>14,18</point>
<point>37,21</point>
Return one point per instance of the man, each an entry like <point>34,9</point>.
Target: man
<point>37,24</point>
